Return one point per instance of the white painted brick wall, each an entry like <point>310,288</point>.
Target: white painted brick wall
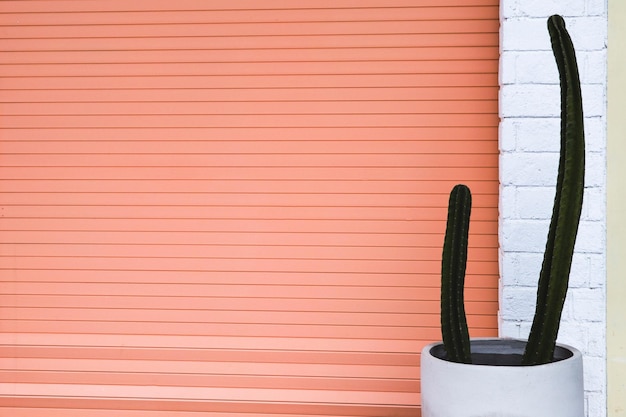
<point>529,145</point>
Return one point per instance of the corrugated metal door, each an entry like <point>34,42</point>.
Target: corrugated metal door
<point>237,207</point>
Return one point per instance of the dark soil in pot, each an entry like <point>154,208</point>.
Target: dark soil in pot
<point>498,352</point>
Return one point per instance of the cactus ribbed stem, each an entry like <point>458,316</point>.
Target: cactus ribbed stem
<point>453,320</point>
<point>554,276</point>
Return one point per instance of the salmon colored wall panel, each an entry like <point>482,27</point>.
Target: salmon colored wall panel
<point>237,208</point>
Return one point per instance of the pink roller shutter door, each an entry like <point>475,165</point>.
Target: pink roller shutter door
<point>237,207</point>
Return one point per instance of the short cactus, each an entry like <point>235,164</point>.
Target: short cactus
<point>453,320</point>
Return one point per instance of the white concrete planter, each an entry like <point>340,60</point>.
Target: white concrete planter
<point>493,387</point>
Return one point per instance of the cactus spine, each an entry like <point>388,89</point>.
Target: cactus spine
<point>557,262</point>
<point>453,321</point>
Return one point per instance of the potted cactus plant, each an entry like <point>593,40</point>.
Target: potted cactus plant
<point>498,377</point>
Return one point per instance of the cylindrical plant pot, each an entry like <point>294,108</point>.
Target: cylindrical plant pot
<point>496,385</point>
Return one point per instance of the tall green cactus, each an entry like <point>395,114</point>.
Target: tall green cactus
<point>453,321</point>
<point>557,261</point>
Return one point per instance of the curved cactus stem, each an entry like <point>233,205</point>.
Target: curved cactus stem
<point>453,321</point>
<point>557,262</point>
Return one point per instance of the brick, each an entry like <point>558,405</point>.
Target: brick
<point>588,33</point>
<point>595,403</point>
<point>595,373</point>
<point>530,101</point>
<point>507,135</point>
<point>524,329</point>
<point>524,236</point>
<point>536,67</point>
<point>595,134</point>
<point>518,304</point>
<point>508,62</point>
<point>524,34</point>
<point>539,135</point>
<point>594,100</point>
<point>589,304</point>
<point>530,235</point>
<point>509,265</point>
<point>567,315</point>
<point>546,8</point>
<point>509,9</point>
<point>508,206</point>
<point>596,341</point>
<point>594,204</point>
<point>542,100</point>
<point>595,170</point>
<point>535,202</point>
<point>591,237</point>
<point>573,334</point>
<point>595,8</point>
<point>597,267</point>
<point>521,269</point>
<point>580,271</point>
<point>529,169</point>
<point>510,329</point>
<point>594,67</point>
